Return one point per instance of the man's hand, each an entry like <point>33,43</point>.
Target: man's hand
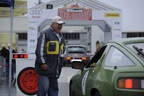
<point>44,66</point>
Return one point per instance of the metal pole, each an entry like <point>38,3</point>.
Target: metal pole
<point>39,2</point>
<point>10,56</point>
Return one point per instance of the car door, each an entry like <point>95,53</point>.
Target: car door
<point>79,83</point>
<point>89,78</point>
<point>106,72</point>
<point>115,60</point>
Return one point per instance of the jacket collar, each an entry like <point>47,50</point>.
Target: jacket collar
<point>52,30</point>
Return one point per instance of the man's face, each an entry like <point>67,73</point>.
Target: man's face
<point>57,27</point>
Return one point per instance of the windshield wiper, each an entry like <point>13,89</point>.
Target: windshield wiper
<point>139,50</point>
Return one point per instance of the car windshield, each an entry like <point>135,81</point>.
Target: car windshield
<point>138,49</point>
<point>76,49</point>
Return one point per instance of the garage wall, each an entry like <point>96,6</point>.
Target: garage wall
<point>4,39</point>
<point>96,34</point>
<point>20,24</point>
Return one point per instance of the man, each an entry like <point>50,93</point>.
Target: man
<point>48,63</point>
<point>98,45</point>
<point>13,66</point>
<point>5,53</point>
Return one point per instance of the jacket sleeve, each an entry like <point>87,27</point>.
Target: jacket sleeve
<point>41,49</point>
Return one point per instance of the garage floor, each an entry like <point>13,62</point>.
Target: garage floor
<point>4,89</point>
<point>66,75</point>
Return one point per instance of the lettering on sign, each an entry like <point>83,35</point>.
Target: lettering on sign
<point>112,15</point>
<point>36,12</point>
<point>75,12</point>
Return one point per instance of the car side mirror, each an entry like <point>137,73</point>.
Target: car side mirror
<point>77,65</point>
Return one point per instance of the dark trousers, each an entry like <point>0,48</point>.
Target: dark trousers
<point>47,86</point>
<point>7,69</point>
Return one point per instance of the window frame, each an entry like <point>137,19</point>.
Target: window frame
<point>97,61</point>
<point>104,64</point>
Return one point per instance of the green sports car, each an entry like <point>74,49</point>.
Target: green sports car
<point>117,69</point>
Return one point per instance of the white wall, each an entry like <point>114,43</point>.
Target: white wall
<point>96,34</point>
<point>132,13</point>
<point>20,24</point>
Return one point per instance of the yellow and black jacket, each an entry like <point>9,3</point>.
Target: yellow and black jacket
<point>48,51</point>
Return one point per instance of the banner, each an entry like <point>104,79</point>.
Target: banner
<point>75,12</point>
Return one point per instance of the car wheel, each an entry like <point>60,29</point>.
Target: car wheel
<point>96,93</point>
<point>71,93</point>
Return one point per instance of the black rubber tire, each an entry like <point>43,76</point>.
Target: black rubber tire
<point>96,94</point>
<point>71,93</point>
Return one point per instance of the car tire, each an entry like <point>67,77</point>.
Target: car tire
<point>71,93</point>
<point>96,93</point>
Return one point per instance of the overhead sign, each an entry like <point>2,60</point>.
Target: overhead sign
<point>75,12</point>
<point>112,15</point>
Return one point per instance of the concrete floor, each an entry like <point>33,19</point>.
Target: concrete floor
<point>66,75</point>
<point>4,89</point>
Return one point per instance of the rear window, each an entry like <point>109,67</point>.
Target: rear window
<point>76,49</point>
<point>138,49</point>
<point>115,57</point>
